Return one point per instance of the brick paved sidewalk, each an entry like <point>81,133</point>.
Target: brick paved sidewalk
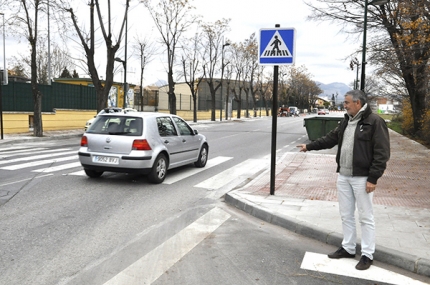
<point>312,176</point>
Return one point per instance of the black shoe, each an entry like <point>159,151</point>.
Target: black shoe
<point>341,253</point>
<point>364,263</point>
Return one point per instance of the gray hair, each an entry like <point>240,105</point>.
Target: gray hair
<point>357,95</point>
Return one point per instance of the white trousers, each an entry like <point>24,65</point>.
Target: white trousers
<point>351,191</point>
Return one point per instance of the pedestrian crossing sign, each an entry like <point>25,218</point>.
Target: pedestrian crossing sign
<point>276,46</point>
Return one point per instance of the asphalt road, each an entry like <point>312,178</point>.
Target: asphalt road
<point>60,227</point>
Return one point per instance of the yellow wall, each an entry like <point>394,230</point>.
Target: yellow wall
<point>15,123</point>
<point>75,119</point>
<point>59,120</point>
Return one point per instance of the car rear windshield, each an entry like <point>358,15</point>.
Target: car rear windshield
<point>117,125</point>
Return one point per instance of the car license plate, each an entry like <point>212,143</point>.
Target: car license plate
<point>105,159</point>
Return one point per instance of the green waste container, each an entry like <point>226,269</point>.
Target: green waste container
<point>319,126</point>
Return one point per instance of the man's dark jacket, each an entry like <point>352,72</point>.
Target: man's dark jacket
<point>371,145</point>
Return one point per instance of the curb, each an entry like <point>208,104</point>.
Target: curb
<point>36,139</point>
<point>383,254</point>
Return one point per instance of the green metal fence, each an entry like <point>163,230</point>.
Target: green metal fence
<point>18,97</point>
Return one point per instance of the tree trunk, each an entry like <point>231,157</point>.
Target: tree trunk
<point>194,108</point>
<point>37,113</point>
<point>37,95</point>
<point>172,96</point>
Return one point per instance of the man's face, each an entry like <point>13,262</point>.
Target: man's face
<point>350,106</point>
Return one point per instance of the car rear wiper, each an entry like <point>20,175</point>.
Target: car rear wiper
<point>119,133</point>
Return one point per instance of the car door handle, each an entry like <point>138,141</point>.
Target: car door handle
<point>184,140</point>
<point>166,142</point>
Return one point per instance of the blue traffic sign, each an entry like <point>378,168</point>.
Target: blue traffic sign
<point>276,46</point>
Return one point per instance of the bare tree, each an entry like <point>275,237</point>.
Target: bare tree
<point>145,51</point>
<point>87,40</point>
<point>172,19</point>
<point>238,64</point>
<point>192,68</point>
<point>251,59</point>
<point>405,25</point>
<point>262,87</point>
<point>213,37</point>
<point>60,59</point>
<point>25,19</point>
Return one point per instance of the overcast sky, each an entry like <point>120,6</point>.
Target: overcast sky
<point>319,46</point>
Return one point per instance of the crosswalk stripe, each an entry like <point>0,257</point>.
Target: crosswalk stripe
<point>172,178</point>
<point>5,154</point>
<point>37,163</point>
<point>77,173</point>
<point>346,267</point>
<point>151,266</point>
<point>59,167</point>
<point>27,158</point>
<point>238,173</point>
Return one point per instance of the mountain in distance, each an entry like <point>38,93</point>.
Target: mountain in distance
<point>333,88</point>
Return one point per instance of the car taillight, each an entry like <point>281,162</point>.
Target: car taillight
<point>84,141</point>
<point>141,145</point>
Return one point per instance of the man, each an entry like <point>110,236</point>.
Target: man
<point>362,155</point>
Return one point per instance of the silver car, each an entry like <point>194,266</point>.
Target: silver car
<point>140,142</point>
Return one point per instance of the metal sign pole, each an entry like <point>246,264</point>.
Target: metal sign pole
<point>274,127</point>
<point>274,130</point>
<point>276,47</point>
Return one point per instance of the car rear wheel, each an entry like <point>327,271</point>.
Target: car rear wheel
<point>159,170</point>
<point>93,173</point>
<point>203,157</point>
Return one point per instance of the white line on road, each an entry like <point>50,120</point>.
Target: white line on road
<point>346,267</point>
<point>18,181</point>
<point>238,173</point>
<point>172,178</point>
<point>39,162</point>
<point>154,264</point>
<point>59,167</point>
<point>7,152</point>
<point>27,158</point>
<point>77,173</point>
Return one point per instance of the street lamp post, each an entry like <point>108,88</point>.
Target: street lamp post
<point>363,60</point>
<point>3,80</point>
<point>222,75</point>
<point>124,65</point>
<point>124,62</point>
<point>49,48</point>
<point>142,66</point>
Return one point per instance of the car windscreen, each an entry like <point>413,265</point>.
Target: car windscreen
<point>117,125</point>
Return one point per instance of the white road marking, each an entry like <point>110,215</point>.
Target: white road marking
<point>18,181</point>
<point>172,178</point>
<point>27,158</point>
<point>59,167</point>
<point>346,267</point>
<point>154,264</point>
<point>40,162</point>
<point>77,173</point>
<point>12,151</point>
<point>238,173</point>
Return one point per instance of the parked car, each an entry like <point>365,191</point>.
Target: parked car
<point>107,110</point>
<point>323,112</point>
<point>294,111</point>
<point>138,142</point>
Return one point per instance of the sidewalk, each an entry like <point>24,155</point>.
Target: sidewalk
<point>305,202</point>
<point>48,135</point>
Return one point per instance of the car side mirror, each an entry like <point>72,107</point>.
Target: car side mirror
<point>196,132</point>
